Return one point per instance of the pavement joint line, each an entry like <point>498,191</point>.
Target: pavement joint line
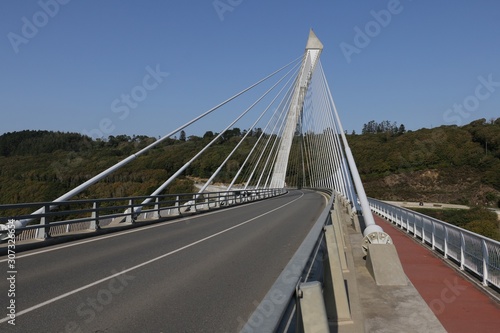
<point>69,293</point>
<point>98,238</point>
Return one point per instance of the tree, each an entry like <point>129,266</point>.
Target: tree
<point>401,129</point>
<point>383,127</point>
<point>486,228</point>
<point>208,135</point>
<point>182,136</point>
<point>371,127</point>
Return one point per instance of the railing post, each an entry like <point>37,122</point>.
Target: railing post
<point>209,196</point>
<point>178,204</point>
<point>94,224</point>
<point>195,199</point>
<point>157,213</point>
<point>433,233</point>
<point>423,230</point>
<point>462,251</point>
<point>414,225</point>
<point>445,242</point>
<point>486,262</point>
<point>130,217</point>
<point>44,233</point>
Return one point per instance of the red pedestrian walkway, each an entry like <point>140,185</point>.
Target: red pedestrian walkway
<point>458,304</point>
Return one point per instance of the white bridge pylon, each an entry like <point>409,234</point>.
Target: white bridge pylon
<point>309,61</point>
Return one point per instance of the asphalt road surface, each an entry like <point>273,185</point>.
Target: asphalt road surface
<point>205,273</point>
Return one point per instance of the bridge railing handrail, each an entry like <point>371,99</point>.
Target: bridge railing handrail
<point>477,254</point>
<point>92,214</point>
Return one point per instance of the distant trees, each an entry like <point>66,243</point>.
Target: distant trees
<point>465,160</point>
<point>401,129</point>
<point>383,127</point>
<point>42,165</point>
<point>487,134</point>
<point>477,219</point>
<point>208,135</point>
<point>39,142</point>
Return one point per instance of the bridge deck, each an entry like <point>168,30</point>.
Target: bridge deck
<point>456,301</point>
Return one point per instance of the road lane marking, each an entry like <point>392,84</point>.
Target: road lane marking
<point>69,293</point>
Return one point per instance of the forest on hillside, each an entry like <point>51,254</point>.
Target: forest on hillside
<point>451,164</point>
<point>454,164</point>
<point>42,165</point>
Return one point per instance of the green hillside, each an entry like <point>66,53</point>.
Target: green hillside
<point>446,164</point>
<point>42,165</point>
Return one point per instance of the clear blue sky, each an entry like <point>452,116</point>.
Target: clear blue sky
<point>411,67</point>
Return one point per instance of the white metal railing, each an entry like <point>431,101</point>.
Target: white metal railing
<point>78,216</point>
<point>478,254</point>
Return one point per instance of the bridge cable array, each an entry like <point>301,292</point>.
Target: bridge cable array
<point>70,194</point>
<point>318,155</point>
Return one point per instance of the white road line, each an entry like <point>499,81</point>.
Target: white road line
<point>118,234</point>
<point>52,300</point>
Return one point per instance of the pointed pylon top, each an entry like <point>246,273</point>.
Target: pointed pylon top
<point>313,41</point>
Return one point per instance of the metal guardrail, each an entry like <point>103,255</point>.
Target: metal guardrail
<point>475,253</point>
<point>281,310</point>
<point>283,295</point>
<point>91,215</point>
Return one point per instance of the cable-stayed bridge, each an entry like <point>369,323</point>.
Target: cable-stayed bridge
<point>291,244</point>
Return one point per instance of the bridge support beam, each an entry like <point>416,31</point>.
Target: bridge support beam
<point>339,238</point>
<point>382,261</point>
<point>336,301</point>
<point>312,308</point>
